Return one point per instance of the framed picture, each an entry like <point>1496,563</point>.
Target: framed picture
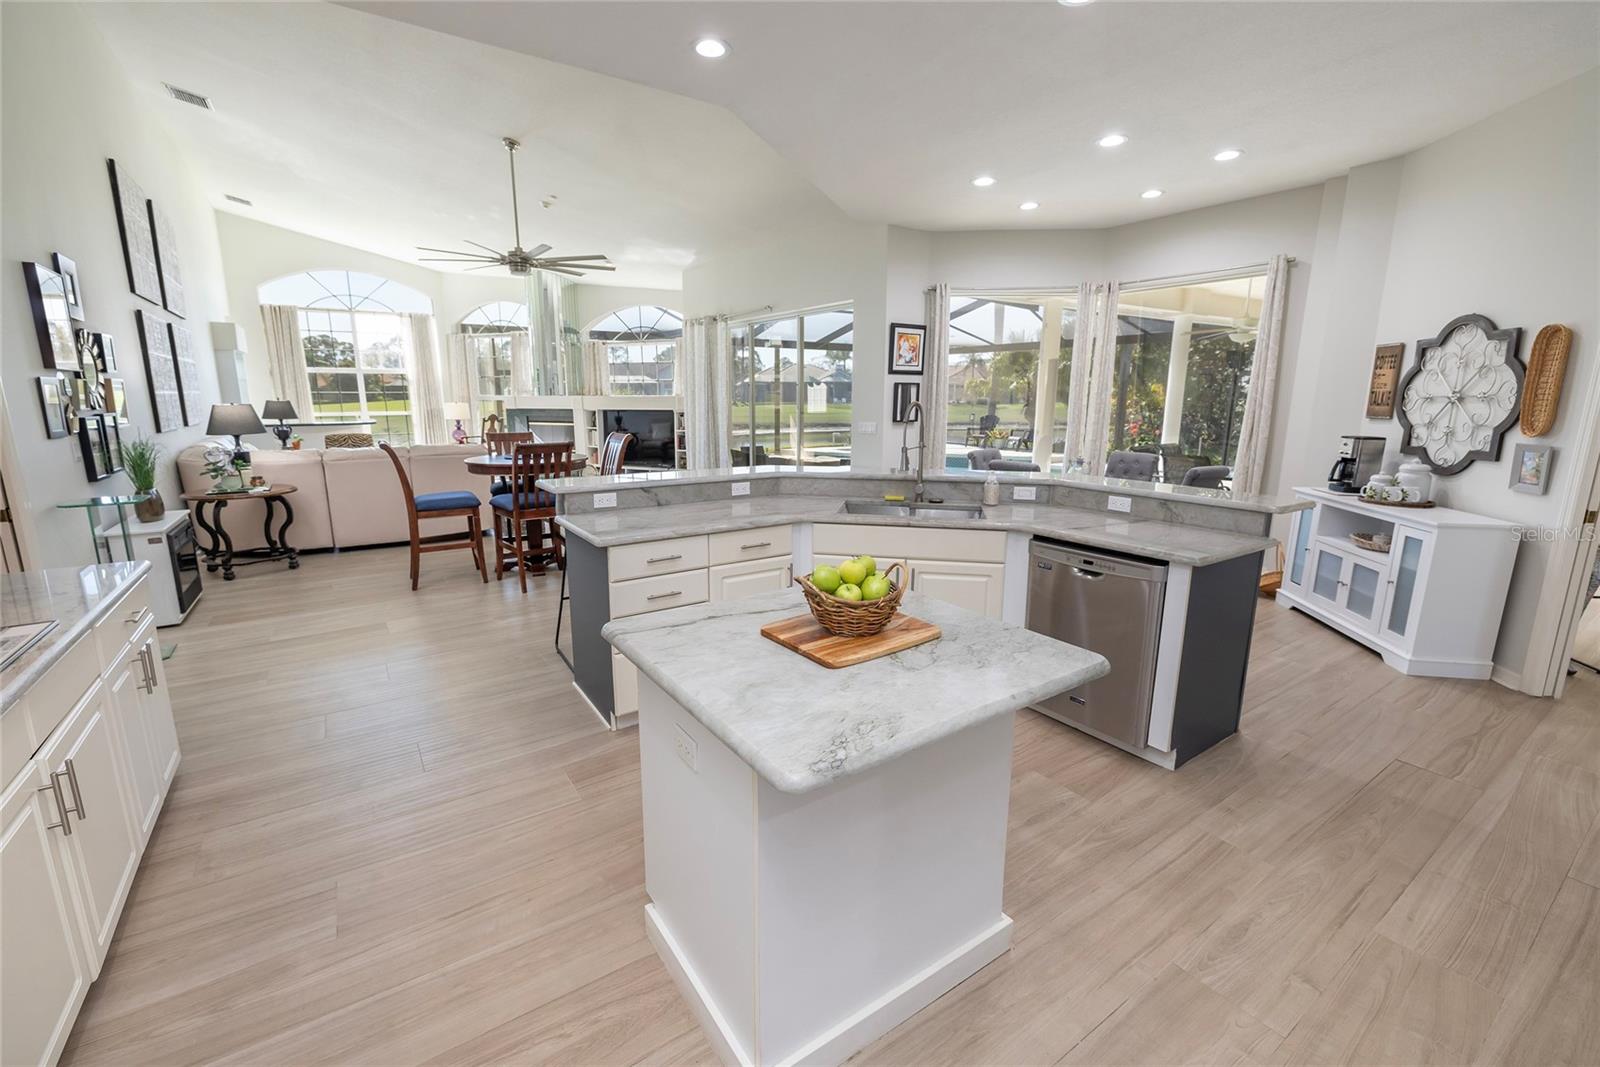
<point>116,398</point>
<point>188,375</point>
<point>96,352</point>
<point>53,404</point>
<point>86,393</point>
<point>160,371</point>
<point>167,266</point>
<point>101,445</point>
<point>1385,379</point>
<point>905,347</point>
<point>905,394</point>
<point>1530,468</point>
<point>69,275</point>
<point>138,238</point>
<point>47,294</point>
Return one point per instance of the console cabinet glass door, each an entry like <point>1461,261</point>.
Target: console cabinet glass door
<point>1350,584</point>
<point>1300,552</point>
<point>1404,581</point>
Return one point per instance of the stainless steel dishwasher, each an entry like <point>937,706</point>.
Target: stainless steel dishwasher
<point>1110,604</point>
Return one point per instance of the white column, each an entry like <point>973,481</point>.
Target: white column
<point>1177,376</point>
<point>1044,404</point>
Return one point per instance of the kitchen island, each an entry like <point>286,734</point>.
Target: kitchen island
<point>825,850</point>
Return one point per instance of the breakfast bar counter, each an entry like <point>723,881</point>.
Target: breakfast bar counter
<point>825,849</point>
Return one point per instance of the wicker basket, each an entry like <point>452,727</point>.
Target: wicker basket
<point>1547,366</point>
<point>855,618</point>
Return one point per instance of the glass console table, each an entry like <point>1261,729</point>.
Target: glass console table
<point>91,508</point>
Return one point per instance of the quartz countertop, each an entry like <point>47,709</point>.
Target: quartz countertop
<point>1173,542</point>
<point>75,597</point>
<point>801,725</point>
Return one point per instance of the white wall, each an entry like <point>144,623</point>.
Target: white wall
<point>67,108</point>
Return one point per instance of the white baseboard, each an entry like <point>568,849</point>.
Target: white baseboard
<point>849,1035</point>
<point>1507,677</point>
<point>590,705</point>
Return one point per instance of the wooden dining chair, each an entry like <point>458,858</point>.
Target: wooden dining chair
<point>521,512</point>
<point>615,451</point>
<point>500,443</point>
<point>454,504</point>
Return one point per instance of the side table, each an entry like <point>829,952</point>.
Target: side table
<point>220,552</point>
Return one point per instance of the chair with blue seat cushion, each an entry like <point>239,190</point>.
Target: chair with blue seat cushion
<point>457,504</point>
<point>520,515</point>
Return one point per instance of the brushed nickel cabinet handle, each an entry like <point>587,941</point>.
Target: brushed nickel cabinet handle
<point>65,825</point>
<point>663,596</point>
<point>147,682</point>
<point>136,617</point>
<point>757,544</point>
<point>664,559</point>
<point>77,796</point>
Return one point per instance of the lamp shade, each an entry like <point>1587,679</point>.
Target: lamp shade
<point>234,420</point>
<point>278,409</point>
<point>457,411</point>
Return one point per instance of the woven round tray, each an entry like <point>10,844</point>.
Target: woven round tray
<point>1547,367</point>
<point>855,618</point>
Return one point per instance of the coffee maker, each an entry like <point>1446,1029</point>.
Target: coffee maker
<point>1359,459</point>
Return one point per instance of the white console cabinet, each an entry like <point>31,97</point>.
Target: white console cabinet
<point>1431,605</point>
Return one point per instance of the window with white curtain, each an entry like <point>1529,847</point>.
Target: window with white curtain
<point>488,339</point>
<point>640,346</point>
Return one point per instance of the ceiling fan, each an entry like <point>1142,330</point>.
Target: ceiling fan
<point>519,260</point>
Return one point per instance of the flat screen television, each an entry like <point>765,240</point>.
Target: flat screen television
<point>652,430</point>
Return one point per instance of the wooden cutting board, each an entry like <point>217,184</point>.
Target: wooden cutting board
<point>805,635</point>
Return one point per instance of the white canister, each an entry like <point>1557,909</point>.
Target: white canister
<point>1417,480</point>
<point>991,490</point>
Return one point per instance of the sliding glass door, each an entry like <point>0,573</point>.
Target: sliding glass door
<point>792,390</point>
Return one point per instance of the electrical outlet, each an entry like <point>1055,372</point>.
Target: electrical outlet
<point>687,749</point>
<point>1025,492</point>
<point>867,427</point>
<point>741,488</point>
<point>605,500</point>
<point>1119,503</point>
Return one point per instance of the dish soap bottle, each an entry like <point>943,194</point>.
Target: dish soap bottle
<point>991,490</point>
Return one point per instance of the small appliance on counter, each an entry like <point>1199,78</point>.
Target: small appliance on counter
<point>1359,459</point>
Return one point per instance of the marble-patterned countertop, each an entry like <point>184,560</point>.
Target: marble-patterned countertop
<point>75,597</point>
<point>1151,538</point>
<point>801,725</point>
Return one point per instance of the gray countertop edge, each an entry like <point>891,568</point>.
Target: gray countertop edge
<point>1221,546</point>
<point>37,661</point>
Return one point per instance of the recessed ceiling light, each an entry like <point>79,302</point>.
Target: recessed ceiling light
<point>1150,194</point>
<point>1112,140</point>
<point>983,181</point>
<point>1028,205</point>
<point>1074,3</point>
<point>1227,155</point>
<point>711,48</point>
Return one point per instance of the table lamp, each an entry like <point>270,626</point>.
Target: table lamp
<point>280,410</point>
<point>459,412</point>
<point>234,420</point>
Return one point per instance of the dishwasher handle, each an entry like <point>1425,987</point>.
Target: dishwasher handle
<point>1093,576</point>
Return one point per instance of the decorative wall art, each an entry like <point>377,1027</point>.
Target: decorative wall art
<point>1462,395</point>
<point>1385,377</point>
<point>1530,468</point>
<point>905,394</point>
<point>160,371</point>
<point>53,404</point>
<point>188,374</point>
<point>47,295</point>
<point>87,396</point>
<point>138,239</point>
<point>116,398</point>
<point>101,444</point>
<point>97,352</point>
<point>167,263</point>
<point>69,275</point>
<point>1547,367</point>
<point>906,343</point>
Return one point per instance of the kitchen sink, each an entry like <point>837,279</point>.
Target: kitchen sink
<point>913,511</point>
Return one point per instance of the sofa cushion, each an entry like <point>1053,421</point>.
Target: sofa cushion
<point>364,497</point>
<point>536,499</point>
<point>445,501</point>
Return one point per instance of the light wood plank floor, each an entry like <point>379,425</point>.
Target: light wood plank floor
<point>398,837</point>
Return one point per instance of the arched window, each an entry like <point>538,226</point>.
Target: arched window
<point>491,334</point>
<point>502,316</point>
<point>640,345</point>
<point>356,337</point>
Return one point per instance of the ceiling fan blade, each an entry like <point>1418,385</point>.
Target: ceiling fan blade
<point>443,259</point>
<point>571,259</point>
<point>492,251</point>
<point>457,252</point>
<point>535,253</point>
<point>484,266</point>
<point>559,270</point>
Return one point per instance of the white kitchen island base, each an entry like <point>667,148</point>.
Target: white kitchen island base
<point>801,927</point>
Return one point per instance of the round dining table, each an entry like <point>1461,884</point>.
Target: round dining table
<point>498,466</point>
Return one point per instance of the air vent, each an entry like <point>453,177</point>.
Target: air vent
<point>187,97</point>
<point>237,199</point>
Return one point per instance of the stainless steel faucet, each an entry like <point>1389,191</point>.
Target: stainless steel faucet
<point>914,409</point>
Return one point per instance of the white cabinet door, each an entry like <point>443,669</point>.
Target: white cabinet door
<point>43,973</point>
<point>978,587</point>
<point>84,768</point>
<point>1407,574</point>
<point>1352,584</point>
<point>1297,566</point>
<point>157,706</point>
<point>124,700</point>
<point>733,581</point>
<point>624,685</point>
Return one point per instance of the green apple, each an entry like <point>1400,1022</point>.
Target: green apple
<point>853,571</point>
<point>826,578</point>
<point>875,587</point>
<point>869,563</point>
<point>848,591</point>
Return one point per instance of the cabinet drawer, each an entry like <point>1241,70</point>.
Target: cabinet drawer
<point>117,627</point>
<point>54,696</point>
<point>626,562</point>
<point>736,545</point>
<point>888,543</point>
<point>658,592</point>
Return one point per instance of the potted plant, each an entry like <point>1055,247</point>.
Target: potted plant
<point>140,457</point>
<point>225,468</point>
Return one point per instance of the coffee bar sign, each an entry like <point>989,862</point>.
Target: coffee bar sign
<point>1385,380</point>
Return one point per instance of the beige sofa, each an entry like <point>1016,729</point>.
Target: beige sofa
<point>346,497</point>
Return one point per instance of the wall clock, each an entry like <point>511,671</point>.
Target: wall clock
<point>1462,395</point>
